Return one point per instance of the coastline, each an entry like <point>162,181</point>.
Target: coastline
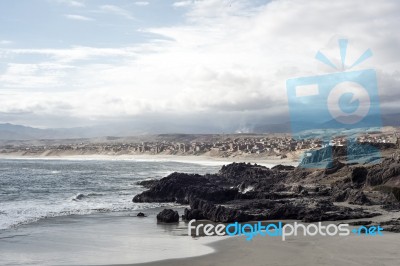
<point>223,250</point>
<point>200,159</point>
<point>262,251</point>
<point>308,250</point>
<point>98,239</point>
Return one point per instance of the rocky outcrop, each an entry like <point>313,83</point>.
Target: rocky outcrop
<point>391,226</point>
<point>242,192</point>
<point>217,213</point>
<point>180,188</point>
<point>168,216</point>
<point>381,173</point>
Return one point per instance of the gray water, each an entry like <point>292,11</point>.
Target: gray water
<point>32,190</point>
<point>80,212</point>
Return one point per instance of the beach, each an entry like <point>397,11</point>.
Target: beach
<point>99,239</point>
<point>111,234</point>
<point>123,239</point>
<point>300,250</point>
<point>199,159</point>
<point>310,251</point>
<point>52,208</point>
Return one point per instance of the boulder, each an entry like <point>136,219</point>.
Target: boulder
<point>168,216</point>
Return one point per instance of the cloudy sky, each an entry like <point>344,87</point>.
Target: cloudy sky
<point>205,64</point>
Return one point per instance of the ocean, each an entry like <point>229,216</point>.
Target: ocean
<point>80,212</point>
<point>35,189</point>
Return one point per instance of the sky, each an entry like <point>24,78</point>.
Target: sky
<point>211,65</point>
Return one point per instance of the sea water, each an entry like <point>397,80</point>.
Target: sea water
<point>80,212</point>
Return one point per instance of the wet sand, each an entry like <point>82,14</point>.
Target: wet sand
<point>310,251</point>
<point>98,239</point>
<point>301,250</point>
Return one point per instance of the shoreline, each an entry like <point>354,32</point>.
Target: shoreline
<point>264,250</point>
<point>100,239</point>
<point>200,159</point>
<point>201,251</point>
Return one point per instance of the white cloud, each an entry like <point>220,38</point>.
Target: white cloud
<point>77,4</point>
<point>142,3</point>
<point>76,53</point>
<point>228,59</point>
<point>78,17</point>
<point>40,75</point>
<point>112,9</point>
<point>182,3</point>
<point>72,3</point>
<point>5,42</point>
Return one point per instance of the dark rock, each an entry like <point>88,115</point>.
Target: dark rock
<point>359,176</point>
<point>242,192</point>
<point>147,183</point>
<point>297,188</point>
<point>340,195</point>
<point>333,166</point>
<point>396,192</point>
<point>383,172</point>
<point>240,172</point>
<point>304,193</point>
<point>284,211</point>
<point>391,226</point>
<point>168,216</point>
<point>217,213</point>
<point>358,198</point>
<point>374,177</point>
<point>281,167</point>
<point>141,214</point>
<point>193,214</point>
<point>180,188</point>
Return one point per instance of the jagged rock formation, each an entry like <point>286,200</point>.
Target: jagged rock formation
<point>243,192</point>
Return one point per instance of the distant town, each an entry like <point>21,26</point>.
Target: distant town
<point>221,146</point>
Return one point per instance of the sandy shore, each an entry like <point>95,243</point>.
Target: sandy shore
<point>318,250</point>
<point>98,239</point>
<point>301,250</point>
<point>201,159</point>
